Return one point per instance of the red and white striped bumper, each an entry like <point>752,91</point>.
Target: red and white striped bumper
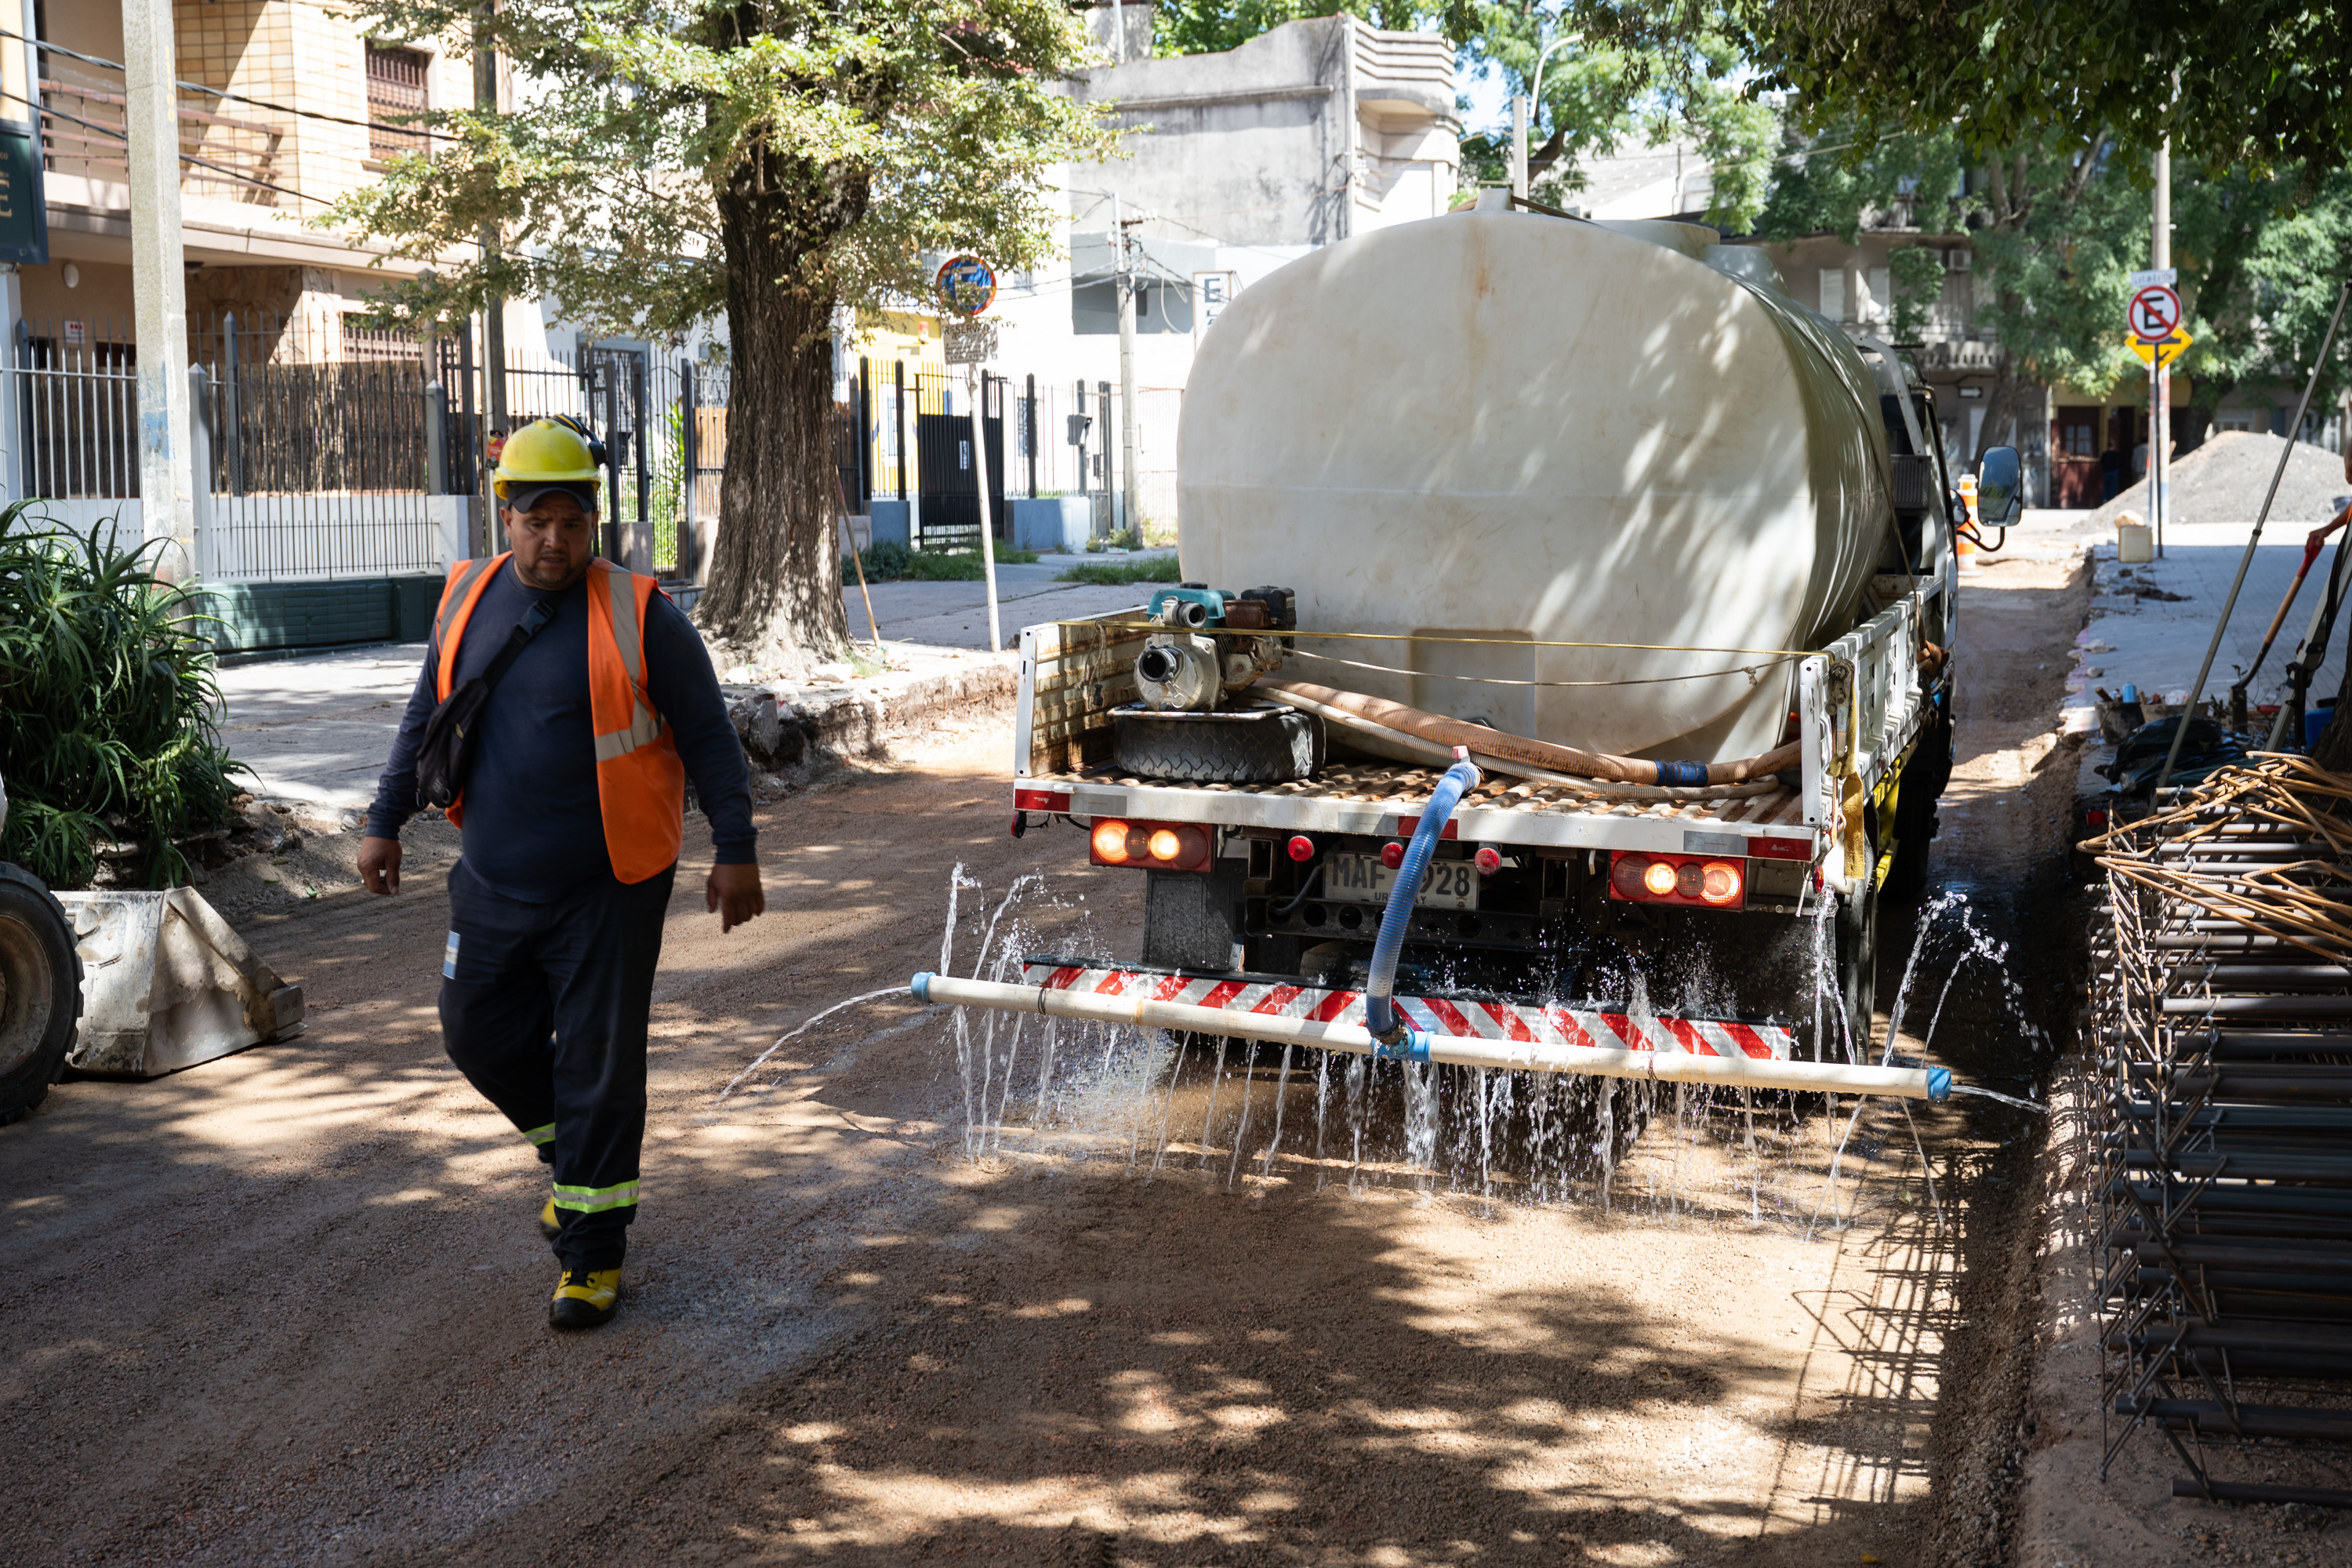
<point>1431,1015</point>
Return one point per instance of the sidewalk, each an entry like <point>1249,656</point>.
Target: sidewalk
<point>955,615</point>
<point>2139,637</point>
<point>315,729</point>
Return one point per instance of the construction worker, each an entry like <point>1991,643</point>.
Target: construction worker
<point>602,704</point>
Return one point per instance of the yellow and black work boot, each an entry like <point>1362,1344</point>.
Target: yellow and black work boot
<point>550,1224</point>
<point>584,1298</point>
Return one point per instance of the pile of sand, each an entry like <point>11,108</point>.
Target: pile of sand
<point>2224,481</point>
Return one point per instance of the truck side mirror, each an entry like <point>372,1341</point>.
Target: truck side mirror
<point>2001,487</point>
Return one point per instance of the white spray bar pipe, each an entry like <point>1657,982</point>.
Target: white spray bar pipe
<point>1663,1066</point>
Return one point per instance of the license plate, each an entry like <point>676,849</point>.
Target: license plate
<point>1362,880</point>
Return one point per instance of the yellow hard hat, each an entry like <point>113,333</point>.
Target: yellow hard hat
<point>544,454</point>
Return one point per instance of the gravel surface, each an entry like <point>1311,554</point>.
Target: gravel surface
<point>289,1306</point>
<point>2224,480</point>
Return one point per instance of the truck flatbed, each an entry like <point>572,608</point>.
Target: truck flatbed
<point>1384,799</point>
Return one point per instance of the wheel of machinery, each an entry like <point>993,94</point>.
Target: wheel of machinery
<point>1923,783</point>
<point>1276,749</point>
<point>40,991</point>
<point>1857,969</point>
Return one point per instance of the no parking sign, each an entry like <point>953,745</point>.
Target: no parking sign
<point>2154,314</point>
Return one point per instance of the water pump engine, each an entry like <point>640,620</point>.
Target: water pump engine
<point>1184,669</point>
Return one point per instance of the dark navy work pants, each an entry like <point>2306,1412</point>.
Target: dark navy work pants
<point>543,1008</point>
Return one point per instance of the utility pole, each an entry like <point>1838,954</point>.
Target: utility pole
<point>1519,145</point>
<point>1124,281</point>
<point>494,312</point>
<point>978,382</point>
<point>2159,403</point>
<point>159,285</point>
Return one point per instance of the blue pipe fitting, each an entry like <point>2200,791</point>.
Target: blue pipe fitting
<point>1412,1046</point>
<point>1380,1013</point>
<point>921,986</point>
<point>1939,1084</point>
<point>1682,775</point>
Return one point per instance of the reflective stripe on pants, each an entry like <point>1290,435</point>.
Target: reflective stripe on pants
<point>546,1016</point>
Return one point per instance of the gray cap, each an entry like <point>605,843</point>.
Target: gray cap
<point>522,497</point>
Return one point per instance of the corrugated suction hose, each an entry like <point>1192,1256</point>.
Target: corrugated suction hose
<point>1380,1011</point>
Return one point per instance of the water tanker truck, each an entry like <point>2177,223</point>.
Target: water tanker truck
<point>1564,661</point>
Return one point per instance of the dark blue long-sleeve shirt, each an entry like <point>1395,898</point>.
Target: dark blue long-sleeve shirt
<point>533,828</point>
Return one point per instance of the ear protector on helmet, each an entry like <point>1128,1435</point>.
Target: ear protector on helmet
<point>598,453</point>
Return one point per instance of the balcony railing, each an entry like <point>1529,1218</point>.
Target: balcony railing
<point>84,132</point>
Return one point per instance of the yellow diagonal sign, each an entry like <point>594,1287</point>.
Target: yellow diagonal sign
<point>2162,353</point>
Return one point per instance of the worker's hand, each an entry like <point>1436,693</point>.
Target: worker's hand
<point>734,891</point>
<point>380,865</point>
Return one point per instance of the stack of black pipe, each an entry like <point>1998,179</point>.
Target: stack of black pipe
<point>2224,1161</point>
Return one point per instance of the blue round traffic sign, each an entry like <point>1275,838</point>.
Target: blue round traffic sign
<point>967,285</point>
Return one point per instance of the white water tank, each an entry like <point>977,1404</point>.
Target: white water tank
<point>1525,429</point>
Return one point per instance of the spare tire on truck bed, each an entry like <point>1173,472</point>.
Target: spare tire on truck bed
<point>1274,746</point>
<point>40,991</point>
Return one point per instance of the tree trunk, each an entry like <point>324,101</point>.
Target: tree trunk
<point>774,594</point>
<point>2007,404</point>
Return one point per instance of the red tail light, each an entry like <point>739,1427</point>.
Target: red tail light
<point>1108,842</point>
<point>1686,880</point>
<point>1302,847</point>
<point>1158,846</point>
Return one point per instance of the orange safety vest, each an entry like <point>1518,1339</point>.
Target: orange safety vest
<point>640,783</point>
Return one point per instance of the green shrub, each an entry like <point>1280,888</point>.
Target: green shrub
<point>1122,573</point>
<point>891,561</point>
<point>884,563</point>
<point>107,705</point>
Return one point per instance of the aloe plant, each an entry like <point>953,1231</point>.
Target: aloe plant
<point>108,704</point>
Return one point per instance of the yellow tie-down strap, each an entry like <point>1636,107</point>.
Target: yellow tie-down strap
<point>1851,834</point>
<point>1853,824</point>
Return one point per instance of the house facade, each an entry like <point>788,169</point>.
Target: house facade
<point>257,168</point>
<point>1237,163</point>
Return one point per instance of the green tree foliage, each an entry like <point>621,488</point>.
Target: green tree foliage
<point>1213,26</point>
<point>1605,97</point>
<point>2252,81</point>
<point>2052,228</point>
<point>775,160</point>
<point>107,705</point>
<point>2058,229</point>
<point>2262,257</point>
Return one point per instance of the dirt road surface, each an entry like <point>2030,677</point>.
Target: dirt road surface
<point>288,1306</point>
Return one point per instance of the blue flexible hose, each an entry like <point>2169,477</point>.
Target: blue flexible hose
<point>1380,1013</point>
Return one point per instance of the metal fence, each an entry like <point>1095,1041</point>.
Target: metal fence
<point>905,435</point>
<point>336,452</point>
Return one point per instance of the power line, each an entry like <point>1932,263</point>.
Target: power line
<point>124,137</point>
<point>233,97</point>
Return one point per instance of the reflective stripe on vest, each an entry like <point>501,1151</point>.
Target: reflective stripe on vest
<point>640,779</point>
<point>645,725</point>
<point>465,585</point>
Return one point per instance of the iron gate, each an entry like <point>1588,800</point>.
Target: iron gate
<point>943,462</point>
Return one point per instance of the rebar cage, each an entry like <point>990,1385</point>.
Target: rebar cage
<point>2221,1153</point>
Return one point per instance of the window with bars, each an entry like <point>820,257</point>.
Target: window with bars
<point>2078,432</point>
<point>395,87</point>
